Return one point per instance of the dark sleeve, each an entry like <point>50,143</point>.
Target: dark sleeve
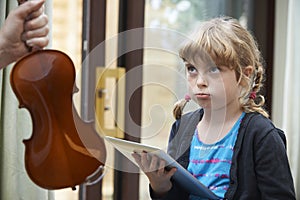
<point>175,193</point>
<point>174,130</point>
<point>272,168</point>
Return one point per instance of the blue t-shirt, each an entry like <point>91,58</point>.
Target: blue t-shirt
<point>210,163</point>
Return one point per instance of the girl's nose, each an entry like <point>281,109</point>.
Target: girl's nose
<point>201,81</point>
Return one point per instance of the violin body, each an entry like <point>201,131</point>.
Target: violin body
<point>63,150</point>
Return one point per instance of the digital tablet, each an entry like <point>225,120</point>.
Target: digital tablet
<point>182,177</point>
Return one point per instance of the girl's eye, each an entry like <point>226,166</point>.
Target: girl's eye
<point>191,69</point>
<point>214,69</point>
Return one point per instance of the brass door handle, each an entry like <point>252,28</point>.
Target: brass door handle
<point>110,110</point>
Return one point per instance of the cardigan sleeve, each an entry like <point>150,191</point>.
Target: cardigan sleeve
<point>176,192</point>
<point>272,168</point>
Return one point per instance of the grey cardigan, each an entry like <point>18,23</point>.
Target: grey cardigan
<point>260,168</point>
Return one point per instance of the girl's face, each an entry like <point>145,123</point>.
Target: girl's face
<point>213,87</point>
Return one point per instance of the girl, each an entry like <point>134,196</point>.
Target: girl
<point>229,144</point>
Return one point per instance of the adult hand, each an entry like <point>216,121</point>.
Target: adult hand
<point>26,26</point>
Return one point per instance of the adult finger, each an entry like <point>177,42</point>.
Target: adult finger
<point>36,23</point>
<point>40,42</point>
<point>37,13</point>
<point>29,7</point>
<point>41,32</point>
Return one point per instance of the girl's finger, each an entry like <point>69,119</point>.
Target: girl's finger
<point>171,172</point>
<point>154,163</point>
<point>161,167</point>
<point>144,161</point>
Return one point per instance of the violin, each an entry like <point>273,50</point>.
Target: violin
<point>63,150</point>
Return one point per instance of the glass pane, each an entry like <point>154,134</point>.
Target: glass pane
<point>168,22</point>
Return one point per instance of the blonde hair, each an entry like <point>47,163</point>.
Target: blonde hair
<point>227,43</point>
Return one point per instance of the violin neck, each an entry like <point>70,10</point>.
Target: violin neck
<point>21,1</point>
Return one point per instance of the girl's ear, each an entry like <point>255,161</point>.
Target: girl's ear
<point>248,71</point>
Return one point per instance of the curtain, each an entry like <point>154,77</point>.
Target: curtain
<point>15,126</point>
<point>286,105</point>
<point>292,90</point>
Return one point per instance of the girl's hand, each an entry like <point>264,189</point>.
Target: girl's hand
<point>155,170</point>
<point>27,24</point>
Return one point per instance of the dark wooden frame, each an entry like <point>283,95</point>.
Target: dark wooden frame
<point>262,23</point>
<point>131,16</point>
<point>93,33</point>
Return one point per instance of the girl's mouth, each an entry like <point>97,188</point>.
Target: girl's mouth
<point>202,96</point>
